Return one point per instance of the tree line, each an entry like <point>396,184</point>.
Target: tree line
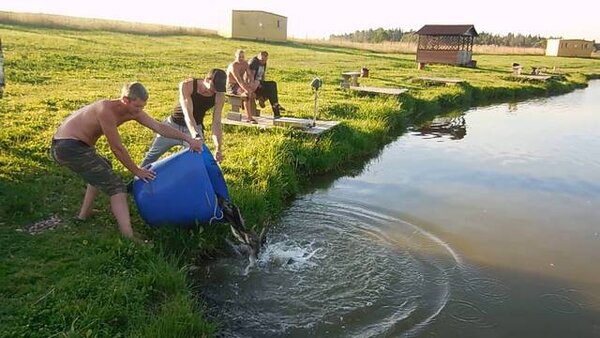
<point>398,35</point>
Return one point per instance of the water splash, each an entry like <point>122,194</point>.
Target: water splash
<point>289,255</point>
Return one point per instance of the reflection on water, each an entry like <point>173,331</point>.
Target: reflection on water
<point>453,127</point>
<point>493,233</point>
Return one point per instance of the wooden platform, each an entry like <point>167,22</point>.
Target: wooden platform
<point>441,80</point>
<point>380,90</point>
<point>533,77</point>
<point>304,125</point>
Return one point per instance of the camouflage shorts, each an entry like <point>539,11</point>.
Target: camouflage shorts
<point>234,88</point>
<point>85,162</point>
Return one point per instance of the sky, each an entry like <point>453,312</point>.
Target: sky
<point>574,19</point>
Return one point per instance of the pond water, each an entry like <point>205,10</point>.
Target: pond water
<point>480,224</point>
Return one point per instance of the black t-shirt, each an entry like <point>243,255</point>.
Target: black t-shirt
<point>201,104</point>
<point>255,66</point>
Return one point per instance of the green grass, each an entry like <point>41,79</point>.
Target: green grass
<point>83,279</point>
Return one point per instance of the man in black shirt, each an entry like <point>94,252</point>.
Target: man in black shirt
<point>267,90</point>
<point>196,97</point>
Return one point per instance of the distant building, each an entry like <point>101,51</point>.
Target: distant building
<point>448,44</point>
<point>573,47</point>
<point>256,25</point>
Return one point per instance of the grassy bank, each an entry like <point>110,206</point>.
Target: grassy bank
<point>82,279</point>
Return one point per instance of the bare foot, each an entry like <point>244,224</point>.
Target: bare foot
<point>138,239</point>
<point>83,217</point>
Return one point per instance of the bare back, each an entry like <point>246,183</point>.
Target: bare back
<point>84,124</point>
<point>236,71</point>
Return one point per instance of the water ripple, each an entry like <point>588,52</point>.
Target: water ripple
<point>468,313</point>
<point>338,269</point>
<point>560,303</point>
<point>490,289</point>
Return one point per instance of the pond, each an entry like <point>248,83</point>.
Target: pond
<point>478,224</point>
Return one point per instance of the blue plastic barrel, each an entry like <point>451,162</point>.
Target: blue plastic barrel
<point>214,173</point>
<point>184,192</point>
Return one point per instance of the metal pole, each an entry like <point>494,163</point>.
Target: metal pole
<point>315,115</point>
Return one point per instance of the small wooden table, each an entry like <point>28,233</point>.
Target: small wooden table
<point>350,79</point>
<point>236,103</point>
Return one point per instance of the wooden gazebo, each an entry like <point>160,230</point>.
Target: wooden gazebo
<point>448,44</point>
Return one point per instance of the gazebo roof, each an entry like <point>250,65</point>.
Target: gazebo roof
<point>462,30</point>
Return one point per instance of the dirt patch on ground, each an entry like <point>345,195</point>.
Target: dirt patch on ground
<point>38,227</point>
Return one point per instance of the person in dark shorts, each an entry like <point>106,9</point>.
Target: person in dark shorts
<point>73,146</point>
<point>267,90</point>
<point>239,82</point>
<point>83,159</point>
<point>196,97</point>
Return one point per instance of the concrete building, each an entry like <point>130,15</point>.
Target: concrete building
<point>255,25</point>
<point>572,47</point>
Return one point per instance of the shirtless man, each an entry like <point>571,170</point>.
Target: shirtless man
<point>240,82</point>
<point>73,145</point>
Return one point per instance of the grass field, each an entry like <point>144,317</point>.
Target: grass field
<point>83,279</point>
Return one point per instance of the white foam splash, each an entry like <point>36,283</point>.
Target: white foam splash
<point>288,254</point>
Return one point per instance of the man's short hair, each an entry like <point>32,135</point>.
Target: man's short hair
<point>237,52</point>
<point>219,78</point>
<point>264,53</point>
<point>134,90</point>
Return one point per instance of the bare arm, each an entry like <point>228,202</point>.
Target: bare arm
<point>238,75</point>
<point>185,100</point>
<point>168,131</point>
<point>217,131</point>
<point>109,128</point>
<point>251,73</point>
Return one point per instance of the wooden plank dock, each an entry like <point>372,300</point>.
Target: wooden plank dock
<point>438,80</point>
<point>532,77</point>
<point>304,125</point>
<point>380,90</point>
